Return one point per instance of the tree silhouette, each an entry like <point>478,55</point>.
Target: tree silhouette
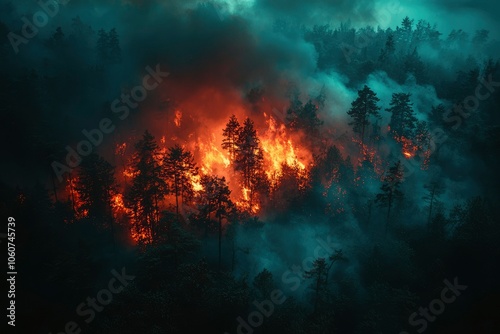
<point>96,186</point>
<point>423,138</point>
<point>231,134</point>
<point>264,284</point>
<point>216,199</point>
<point>361,109</point>
<point>179,168</point>
<point>148,186</point>
<point>388,50</point>
<point>249,158</point>
<point>102,47</point>
<point>108,47</point>
<point>434,189</point>
<point>390,189</point>
<point>319,275</point>
<point>114,50</point>
<point>403,121</point>
<point>304,116</point>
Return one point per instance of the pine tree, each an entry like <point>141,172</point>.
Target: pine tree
<point>231,135</point>
<point>108,47</point>
<point>413,64</point>
<point>96,186</point>
<point>179,168</point>
<point>388,51</point>
<point>102,47</point>
<point>215,198</point>
<point>319,275</point>
<point>361,109</point>
<point>113,45</point>
<point>407,24</point>
<point>434,189</point>
<point>390,190</point>
<point>148,186</point>
<point>437,115</point>
<point>249,158</point>
<point>264,284</point>
<point>403,121</point>
<point>304,117</point>
<point>422,136</point>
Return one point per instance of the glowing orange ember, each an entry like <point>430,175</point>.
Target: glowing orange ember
<point>409,149</point>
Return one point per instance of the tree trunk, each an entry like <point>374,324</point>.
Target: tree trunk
<point>388,217</point>
<point>220,240</point>
<point>430,209</point>
<point>233,258</point>
<point>176,196</point>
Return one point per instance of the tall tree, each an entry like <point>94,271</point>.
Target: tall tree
<point>434,189</point>
<point>361,109</point>
<point>388,49</point>
<point>108,47</point>
<point>148,186</point>
<point>249,158</point>
<point>216,199</point>
<point>102,47</point>
<point>305,116</point>
<point>390,190</point>
<point>264,284</point>
<point>231,134</point>
<point>403,120</point>
<point>319,275</point>
<point>179,168</point>
<point>115,52</point>
<point>423,140</point>
<point>96,186</point>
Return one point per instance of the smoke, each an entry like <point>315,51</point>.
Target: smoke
<point>215,52</point>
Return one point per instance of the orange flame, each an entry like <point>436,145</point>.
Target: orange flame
<point>279,149</point>
<point>178,118</point>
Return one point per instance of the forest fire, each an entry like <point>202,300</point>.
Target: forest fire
<point>193,166</point>
<point>178,118</point>
<point>213,160</point>
<point>409,149</point>
<point>119,205</point>
<point>280,150</point>
<point>75,197</point>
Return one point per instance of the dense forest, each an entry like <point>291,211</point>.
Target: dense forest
<point>236,172</point>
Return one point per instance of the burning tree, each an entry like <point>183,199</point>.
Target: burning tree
<point>249,159</point>
<point>361,110</point>
<point>423,141</point>
<point>179,170</point>
<point>231,134</point>
<point>403,122</point>
<point>148,187</point>
<point>390,189</point>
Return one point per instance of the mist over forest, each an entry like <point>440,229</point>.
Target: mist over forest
<point>252,166</point>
